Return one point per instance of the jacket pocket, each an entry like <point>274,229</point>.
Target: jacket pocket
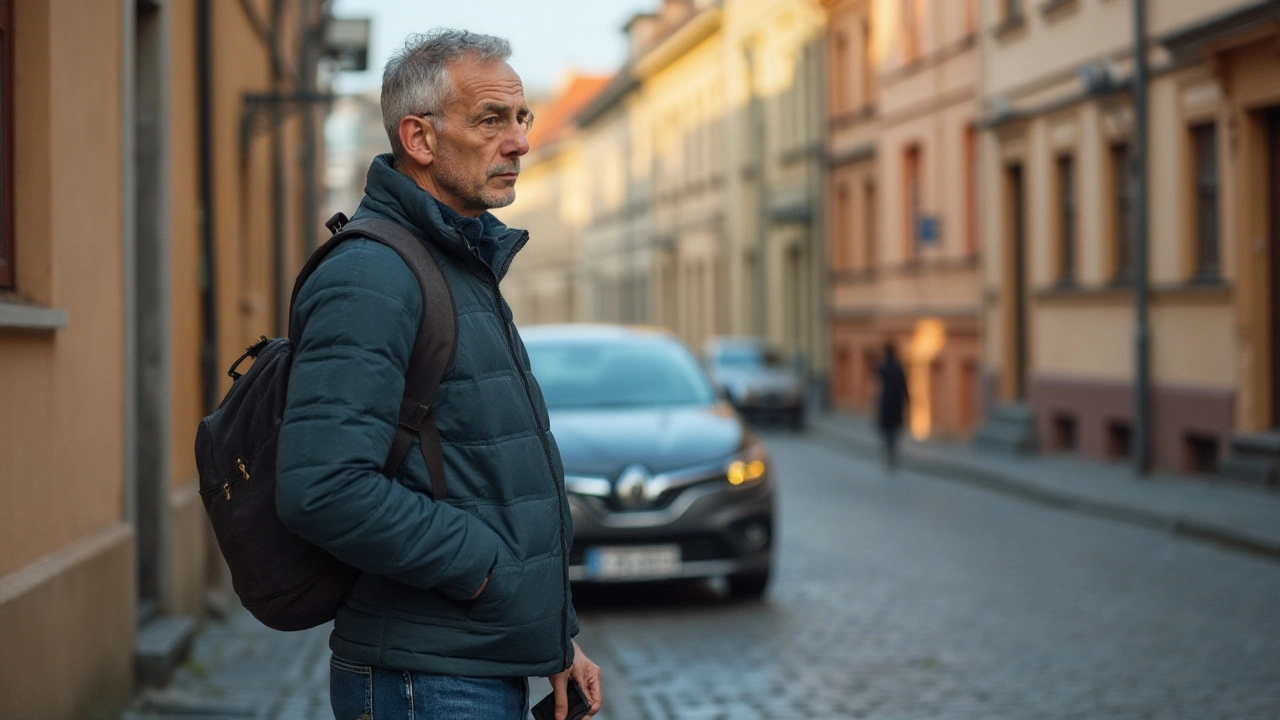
<point>494,604</point>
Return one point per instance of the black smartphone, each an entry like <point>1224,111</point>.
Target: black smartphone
<point>578,705</point>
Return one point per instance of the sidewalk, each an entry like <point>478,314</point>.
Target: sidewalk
<point>1203,507</point>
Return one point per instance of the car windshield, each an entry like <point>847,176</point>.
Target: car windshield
<point>747,357</point>
<point>599,373</point>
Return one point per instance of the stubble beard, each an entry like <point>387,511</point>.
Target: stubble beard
<point>478,196</point>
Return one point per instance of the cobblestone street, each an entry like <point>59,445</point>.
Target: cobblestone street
<point>895,597</point>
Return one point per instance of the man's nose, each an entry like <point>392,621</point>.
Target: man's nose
<point>518,144</point>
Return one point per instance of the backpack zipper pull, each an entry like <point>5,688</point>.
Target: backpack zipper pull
<point>243,470</point>
<point>226,489</point>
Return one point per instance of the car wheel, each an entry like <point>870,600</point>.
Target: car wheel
<point>749,586</point>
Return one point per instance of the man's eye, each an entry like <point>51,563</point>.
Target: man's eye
<point>490,121</point>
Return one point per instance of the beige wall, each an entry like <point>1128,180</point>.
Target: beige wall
<point>61,447</point>
<point>68,564</point>
<point>884,285</point>
<point>1084,332</point>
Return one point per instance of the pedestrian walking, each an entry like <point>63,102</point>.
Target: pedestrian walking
<point>893,403</point>
<point>460,598</point>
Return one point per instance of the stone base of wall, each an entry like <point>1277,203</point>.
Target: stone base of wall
<point>1190,426</point>
<point>187,535</point>
<point>67,626</point>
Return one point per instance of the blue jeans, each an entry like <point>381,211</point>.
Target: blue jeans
<point>361,692</point>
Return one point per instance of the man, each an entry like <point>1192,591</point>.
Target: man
<point>893,403</point>
<point>458,601</point>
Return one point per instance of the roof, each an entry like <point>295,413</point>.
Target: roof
<point>555,117</point>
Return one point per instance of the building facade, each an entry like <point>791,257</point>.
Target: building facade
<point>901,111</point>
<point>551,203</point>
<point>706,216</point>
<point>154,199</point>
<point>1059,209</point>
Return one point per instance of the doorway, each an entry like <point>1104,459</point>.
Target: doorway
<point>1016,199</point>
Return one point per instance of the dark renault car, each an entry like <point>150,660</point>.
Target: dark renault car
<point>664,480</point>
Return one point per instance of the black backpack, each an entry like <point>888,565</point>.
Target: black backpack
<point>286,582</point>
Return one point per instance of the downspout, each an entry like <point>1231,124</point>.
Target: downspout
<point>821,228</point>
<point>313,25</point>
<point>1142,330</point>
<point>278,190</point>
<point>208,280</point>
<point>762,193</point>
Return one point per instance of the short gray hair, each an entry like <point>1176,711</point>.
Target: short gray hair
<point>416,79</point>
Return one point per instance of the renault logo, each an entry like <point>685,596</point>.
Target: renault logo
<point>631,488</point>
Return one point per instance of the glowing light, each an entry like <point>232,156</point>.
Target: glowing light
<point>927,343</point>
<point>740,472</point>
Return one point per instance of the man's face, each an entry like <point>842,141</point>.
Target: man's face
<point>481,138</point>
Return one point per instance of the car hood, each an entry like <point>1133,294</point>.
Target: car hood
<point>602,442</point>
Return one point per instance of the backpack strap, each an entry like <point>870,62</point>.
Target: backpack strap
<point>432,349</point>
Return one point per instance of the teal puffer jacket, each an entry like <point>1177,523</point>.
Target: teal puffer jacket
<point>505,514</point>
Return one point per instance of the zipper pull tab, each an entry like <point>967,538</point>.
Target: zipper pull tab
<point>243,470</point>
<point>226,489</point>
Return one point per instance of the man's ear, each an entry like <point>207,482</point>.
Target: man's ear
<point>418,138</point>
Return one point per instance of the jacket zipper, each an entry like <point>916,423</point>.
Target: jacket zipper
<point>492,281</point>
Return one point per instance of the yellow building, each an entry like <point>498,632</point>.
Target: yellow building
<point>551,203</point>
<point>705,212</point>
<point>153,214</point>
<point>1059,316</point>
<point>902,87</point>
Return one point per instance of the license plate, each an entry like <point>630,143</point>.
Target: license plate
<point>632,563</point>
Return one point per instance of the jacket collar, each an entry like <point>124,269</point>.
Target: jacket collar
<point>393,195</point>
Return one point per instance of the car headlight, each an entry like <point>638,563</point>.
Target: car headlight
<point>748,467</point>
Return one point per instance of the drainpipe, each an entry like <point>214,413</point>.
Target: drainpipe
<point>278,189</point>
<point>313,25</point>
<point>208,280</point>
<point>762,193</point>
<point>1142,331</point>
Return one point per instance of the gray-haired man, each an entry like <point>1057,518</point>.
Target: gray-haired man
<point>460,600</point>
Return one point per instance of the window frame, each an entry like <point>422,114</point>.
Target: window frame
<point>1207,194</point>
<point>7,249</point>
<point>1068,215</point>
<point>1123,208</point>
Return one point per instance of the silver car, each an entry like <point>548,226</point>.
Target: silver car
<point>664,479</point>
<point>756,379</point>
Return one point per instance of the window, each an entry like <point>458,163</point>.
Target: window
<point>841,71</point>
<point>1066,219</point>
<point>6,145</point>
<point>868,65</point>
<point>869,224</point>
<point>910,32</point>
<point>971,190</point>
<point>843,235</point>
<point>911,176</point>
<point>1122,184</point>
<point>1205,141</point>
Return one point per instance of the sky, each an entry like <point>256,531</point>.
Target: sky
<point>548,37</point>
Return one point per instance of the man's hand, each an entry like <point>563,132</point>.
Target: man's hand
<point>587,674</point>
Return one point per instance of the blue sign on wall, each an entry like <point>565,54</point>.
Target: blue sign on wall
<point>928,229</point>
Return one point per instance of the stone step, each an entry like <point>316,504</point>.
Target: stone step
<point>1253,458</point>
<point>161,644</point>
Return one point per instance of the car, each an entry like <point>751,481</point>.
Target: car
<point>756,379</point>
<point>664,480</point>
